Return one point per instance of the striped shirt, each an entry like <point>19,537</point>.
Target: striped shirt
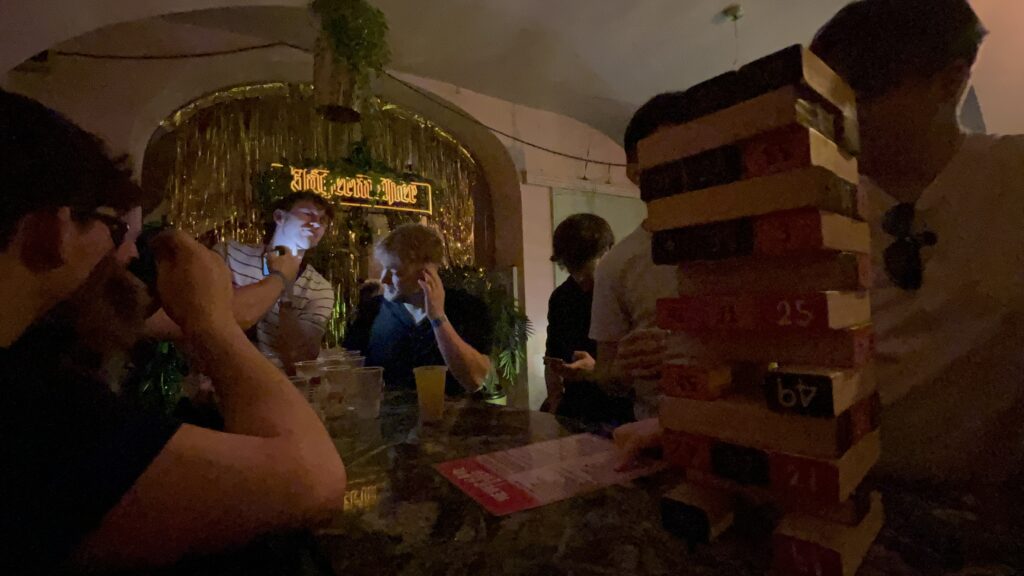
<point>312,295</point>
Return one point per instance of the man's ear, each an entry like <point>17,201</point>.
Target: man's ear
<point>953,80</point>
<point>279,216</point>
<point>44,238</point>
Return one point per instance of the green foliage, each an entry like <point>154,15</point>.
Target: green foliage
<point>512,327</point>
<point>358,33</point>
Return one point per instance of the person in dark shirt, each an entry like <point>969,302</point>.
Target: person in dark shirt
<point>92,482</point>
<point>416,322</point>
<point>578,244</point>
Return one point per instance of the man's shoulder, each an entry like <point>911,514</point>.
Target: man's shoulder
<point>315,281</point>
<point>241,254</point>
<point>565,292</point>
<point>624,253</point>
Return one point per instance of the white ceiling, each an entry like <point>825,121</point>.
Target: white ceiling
<point>593,60</point>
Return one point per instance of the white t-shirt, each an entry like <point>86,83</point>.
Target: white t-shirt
<point>627,284</point>
<point>312,295</point>
<point>943,351</point>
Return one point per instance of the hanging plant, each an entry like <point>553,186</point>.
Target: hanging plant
<point>512,328</point>
<point>353,45</point>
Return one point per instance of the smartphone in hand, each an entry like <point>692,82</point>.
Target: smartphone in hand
<point>553,362</point>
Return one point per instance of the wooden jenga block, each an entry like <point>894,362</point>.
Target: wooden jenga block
<point>794,66</point>
<point>792,147</point>
<point>782,150</point>
<point>766,312</point>
<point>796,479</point>
<point>801,479</point>
<point>697,514</point>
<point>746,421</point>
<point>783,107</point>
<point>801,273</point>
<point>711,168</point>
<point>808,546</point>
<point>787,233</point>
<point>687,451</point>
<point>798,65</point>
<point>809,231</point>
<point>849,512</point>
<point>743,465</point>
<point>805,188</point>
<point>816,392</point>
<point>682,379</point>
<point>840,348</point>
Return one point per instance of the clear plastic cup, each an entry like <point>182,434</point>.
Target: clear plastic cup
<point>364,391</point>
<point>333,393</point>
<point>311,369</point>
<point>303,385</point>
<point>430,392</point>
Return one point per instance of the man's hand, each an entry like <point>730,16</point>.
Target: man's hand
<point>287,264</point>
<point>580,368</point>
<point>433,292</point>
<point>634,439</point>
<point>641,354</point>
<point>194,284</point>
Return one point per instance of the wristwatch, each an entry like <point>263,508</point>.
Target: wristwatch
<point>439,321</point>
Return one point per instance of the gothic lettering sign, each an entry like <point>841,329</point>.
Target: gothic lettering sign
<point>380,193</point>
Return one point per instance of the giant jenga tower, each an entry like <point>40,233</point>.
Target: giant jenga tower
<point>755,199</point>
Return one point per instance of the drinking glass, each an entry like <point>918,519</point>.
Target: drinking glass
<point>334,388</point>
<point>430,392</point>
<point>363,394</point>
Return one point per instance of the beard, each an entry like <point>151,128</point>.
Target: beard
<point>107,317</point>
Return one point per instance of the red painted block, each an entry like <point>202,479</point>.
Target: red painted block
<point>787,148</point>
<point>687,451</point>
<point>816,311</point>
<point>812,272</point>
<point>838,348</point>
<point>793,557</point>
<point>682,380</point>
<point>807,546</point>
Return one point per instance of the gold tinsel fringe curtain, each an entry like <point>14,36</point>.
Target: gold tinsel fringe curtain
<point>221,141</point>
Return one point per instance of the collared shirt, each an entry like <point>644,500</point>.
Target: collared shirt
<point>949,357</point>
<point>312,295</point>
<point>627,285</point>
<point>399,344</point>
<point>973,276</point>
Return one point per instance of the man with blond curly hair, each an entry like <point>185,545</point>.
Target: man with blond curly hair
<point>416,322</point>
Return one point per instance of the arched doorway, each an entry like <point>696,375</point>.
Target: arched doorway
<point>216,163</point>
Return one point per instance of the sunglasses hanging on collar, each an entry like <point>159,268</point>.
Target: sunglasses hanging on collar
<point>903,257</point>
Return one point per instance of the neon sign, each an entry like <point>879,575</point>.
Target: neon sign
<point>363,191</point>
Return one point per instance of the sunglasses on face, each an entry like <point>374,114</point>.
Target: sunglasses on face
<point>903,257</point>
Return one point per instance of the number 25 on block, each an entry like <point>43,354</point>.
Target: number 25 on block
<point>794,314</point>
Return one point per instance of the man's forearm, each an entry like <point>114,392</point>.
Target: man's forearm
<point>252,302</point>
<point>468,366</point>
<point>606,371</point>
<point>256,398</point>
<point>296,341</point>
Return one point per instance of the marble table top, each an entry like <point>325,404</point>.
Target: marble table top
<point>404,518</point>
